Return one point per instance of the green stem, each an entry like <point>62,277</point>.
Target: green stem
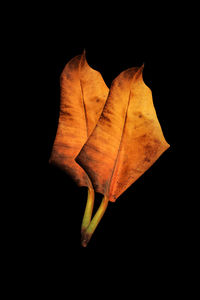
<point>88,210</point>
<point>86,236</point>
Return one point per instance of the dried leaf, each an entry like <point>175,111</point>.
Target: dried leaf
<point>83,95</point>
<point>127,139</point>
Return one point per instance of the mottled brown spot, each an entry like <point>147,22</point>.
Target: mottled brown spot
<point>68,114</point>
<point>151,149</point>
<point>156,141</point>
<point>105,118</point>
<point>65,115</point>
<point>107,110</point>
<point>67,75</point>
<point>97,100</point>
<point>143,137</point>
<point>128,74</point>
<point>74,63</point>
<point>148,149</point>
<point>147,159</point>
<point>65,106</point>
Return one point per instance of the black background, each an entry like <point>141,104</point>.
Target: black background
<point>147,224</point>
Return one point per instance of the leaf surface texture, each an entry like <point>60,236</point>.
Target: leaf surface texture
<point>127,139</point>
<point>83,95</point>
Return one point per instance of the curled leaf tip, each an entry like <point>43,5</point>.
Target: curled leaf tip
<point>139,73</point>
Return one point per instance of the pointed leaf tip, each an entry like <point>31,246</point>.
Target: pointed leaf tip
<point>84,53</point>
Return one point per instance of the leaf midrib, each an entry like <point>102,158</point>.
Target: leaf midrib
<point>120,144</point>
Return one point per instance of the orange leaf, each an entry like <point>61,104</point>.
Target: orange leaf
<point>127,139</point>
<point>83,95</point>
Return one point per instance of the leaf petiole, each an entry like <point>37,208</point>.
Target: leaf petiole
<point>87,234</point>
<point>88,210</point>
